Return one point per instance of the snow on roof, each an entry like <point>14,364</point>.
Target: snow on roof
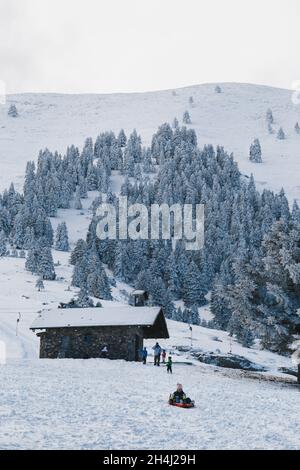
<point>102,316</point>
<point>138,292</point>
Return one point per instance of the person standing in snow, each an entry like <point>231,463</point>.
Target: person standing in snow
<point>169,365</point>
<point>163,356</point>
<point>157,353</point>
<point>144,355</point>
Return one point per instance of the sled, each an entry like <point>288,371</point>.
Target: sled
<point>183,405</point>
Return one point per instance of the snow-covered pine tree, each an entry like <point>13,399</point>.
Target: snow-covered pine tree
<point>175,123</point>
<point>3,249</point>
<point>45,266</point>
<point>186,118</point>
<point>62,239</point>
<point>280,134</point>
<point>32,260</point>
<point>39,284</point>
<point>218,89</point>
<point>178,314</point>
<point>13,112</point>
<point>270,128</point>
<point>255,152</point>
<point>122,139</point>
<point>97,281</point>
<point>296,213</point>
<point>91,178</point>
<point>191,101</point>
<point>78,252</point>
<point>194,316</point>
<point>77,202</point>
<point>83,300</point>
<point>269,116</point>
<point>193,286</point>
<point>297,128</point>
<point>128,164</point>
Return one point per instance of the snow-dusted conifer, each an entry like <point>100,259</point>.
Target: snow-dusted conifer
<point>2,244</point>
<point>269,116</point>
<point>45,264</point>
<point>78,252</point>
<point>255,152</point>
<point>175,123</point>
<point>62,239</point>
<point>39,284</point>
<point>77,202</point>
<point>280,134</point>
<point>13,112</point>
<point>193,290</point>
<point>186,118</point>
<point>32,260</point>
<point>122,139</point>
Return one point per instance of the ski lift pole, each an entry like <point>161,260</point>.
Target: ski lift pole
<point>18,321</point>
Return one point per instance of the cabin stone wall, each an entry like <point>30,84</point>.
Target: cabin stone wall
<point>89,342</point>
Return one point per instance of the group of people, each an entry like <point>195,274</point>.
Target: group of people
<point>178,398</point>
<point>160,355</point>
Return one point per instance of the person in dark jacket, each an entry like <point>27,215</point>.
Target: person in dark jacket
<point>179,396</point>
<point>169,365</point>
<point>157,353</point>
<point>144,355</point>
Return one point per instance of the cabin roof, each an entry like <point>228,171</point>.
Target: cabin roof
<point>102,316</point>
<point>138,292</point>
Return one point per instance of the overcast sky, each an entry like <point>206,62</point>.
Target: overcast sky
<point>104,46</point>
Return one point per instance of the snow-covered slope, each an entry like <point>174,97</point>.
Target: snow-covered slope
<point>102,404</point>
<point>232,119</point>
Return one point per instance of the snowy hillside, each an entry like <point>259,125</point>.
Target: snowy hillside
<point>232,118</point>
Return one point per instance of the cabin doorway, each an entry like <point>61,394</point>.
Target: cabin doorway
<point>65,347</point>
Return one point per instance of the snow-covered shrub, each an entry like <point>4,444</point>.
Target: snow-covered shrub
<point>255,152</point>
<point>62,239</point>
<point>13,112</point>
<point>280,134</point>
<point>186,118</point>
<point>269,116</point>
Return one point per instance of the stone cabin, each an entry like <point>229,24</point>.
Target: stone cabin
<point>109,332</point>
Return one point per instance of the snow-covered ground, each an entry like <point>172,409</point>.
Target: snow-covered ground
<point>102,404</point>
<point>232,119</point>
